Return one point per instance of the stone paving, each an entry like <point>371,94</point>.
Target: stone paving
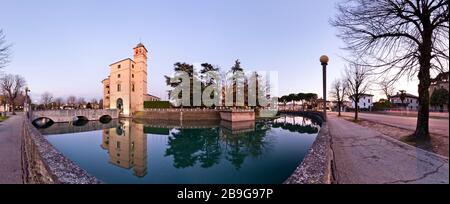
<point>10,151</point>
<point>364,156</point>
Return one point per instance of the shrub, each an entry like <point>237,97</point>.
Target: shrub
<point>156,104</point>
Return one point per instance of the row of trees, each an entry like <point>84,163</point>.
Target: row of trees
<point>222,81</point>
<point>309,98</point>
<point>397,39</point>
<point>49,102</point>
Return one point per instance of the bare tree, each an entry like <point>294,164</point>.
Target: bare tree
<point>46,99</point>
<point>12,86</point>
<point>5,52</point>
<point>81,102</point>
<point>94,103</point>
<point>71,100</point>
<point>357,80</point>
<point>399,38</point>
<point>338,91</point>
<point>59,102</point>
<point>386,87</point>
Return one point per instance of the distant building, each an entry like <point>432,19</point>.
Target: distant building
<point>126,86</point>
<point>410,102</point>
<point>365,102</point>
<point>149,97</point>
<point>440,82</point>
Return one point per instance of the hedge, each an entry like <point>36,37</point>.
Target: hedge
<point>156,104</point>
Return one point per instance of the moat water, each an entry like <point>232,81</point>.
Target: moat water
<point>154,152</point>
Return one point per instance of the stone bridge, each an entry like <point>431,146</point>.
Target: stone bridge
<point>63,116</point>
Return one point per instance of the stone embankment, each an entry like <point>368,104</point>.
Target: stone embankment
<point>316,167</point>
<point>43,164</point>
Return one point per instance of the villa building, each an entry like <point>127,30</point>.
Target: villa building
<point>410,102</point>
<point>126,86</point>
<point>365,102</point>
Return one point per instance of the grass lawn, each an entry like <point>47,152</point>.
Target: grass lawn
<point>3,118</point>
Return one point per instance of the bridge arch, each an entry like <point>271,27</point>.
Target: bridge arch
<point>105,119</point>
<point>64,116</point>
<point>43,122</point>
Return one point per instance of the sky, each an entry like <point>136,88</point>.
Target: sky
<point>65,47</point>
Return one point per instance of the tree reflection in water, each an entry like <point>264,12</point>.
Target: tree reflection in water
<point>207,147</point>
<point>297,124</point>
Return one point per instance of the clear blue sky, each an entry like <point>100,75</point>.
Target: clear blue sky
<point>65,47</point>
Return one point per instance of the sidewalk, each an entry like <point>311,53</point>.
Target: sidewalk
<point>364,156</point>
<point>10,151</point>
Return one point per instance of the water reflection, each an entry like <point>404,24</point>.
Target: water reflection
<point>249,152</point>
<point>127,146</point>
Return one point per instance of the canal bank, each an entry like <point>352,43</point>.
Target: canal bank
<point>42,163</point>
<point>316,167</point>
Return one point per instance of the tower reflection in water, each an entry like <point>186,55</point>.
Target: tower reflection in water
<point>127,146</point>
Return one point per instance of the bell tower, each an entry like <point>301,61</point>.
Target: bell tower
<point>139,77</point>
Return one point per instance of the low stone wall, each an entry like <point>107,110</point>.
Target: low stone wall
<point>178,114</point>
<point>316,167</point>
<point>43,164</point>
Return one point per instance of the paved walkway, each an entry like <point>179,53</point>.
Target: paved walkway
<point>10,151</point>
<point>364,156</point>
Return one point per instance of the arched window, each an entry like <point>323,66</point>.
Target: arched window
<point>119,87</point>
<point>132,87</point>
<point>118,76</point>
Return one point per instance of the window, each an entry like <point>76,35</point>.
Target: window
<point>119,87</point>
<point>118,145</point>
<point>132,75</point>
<point>118,66</point>
<point>132,87</point>
<point>368,100</point>
<point>118,76</point>
<point>132,66</point>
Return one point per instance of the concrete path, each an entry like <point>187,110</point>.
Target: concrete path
<point>437,126</point>
<point>10,151</point>
<point>364,156</point>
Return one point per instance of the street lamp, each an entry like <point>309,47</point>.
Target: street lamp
<point>27,105</point>
<point>324,61</point>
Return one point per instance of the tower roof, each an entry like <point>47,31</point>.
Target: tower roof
<point>140,45</point>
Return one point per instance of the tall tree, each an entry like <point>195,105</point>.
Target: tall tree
<point>237,67</point>
<point>439,98</point>
<point>71,101</point>
<point>402,38</point>
<point>386,87</point>
<point>81,102</point>
<point>5,50</point>
<point>402,95</point>
<point>46,99</point>
<point>338,91</point>
<point>12,86</point>
<point>189,70</point>
<point>59,102</point>
<point>357,80</point>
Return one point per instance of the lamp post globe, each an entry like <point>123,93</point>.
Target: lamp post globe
<point>324,60</point>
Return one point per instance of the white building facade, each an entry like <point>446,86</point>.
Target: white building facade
<point>410,102</point>
<point>365,102</point>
